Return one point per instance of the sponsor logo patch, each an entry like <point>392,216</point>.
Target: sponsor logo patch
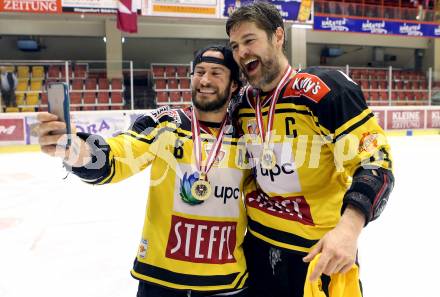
<point>289,208</point>
<point>308,85</point>
<point>201,241</point>
<point>159,113</point>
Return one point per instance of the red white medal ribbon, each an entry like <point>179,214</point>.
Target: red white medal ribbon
<point>195,129</point>
<point>265,134</point>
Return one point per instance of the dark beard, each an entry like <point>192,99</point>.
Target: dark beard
<point>270,71</point>
<point>222,100</point>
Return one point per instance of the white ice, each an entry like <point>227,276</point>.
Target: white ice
<point>60,237</point>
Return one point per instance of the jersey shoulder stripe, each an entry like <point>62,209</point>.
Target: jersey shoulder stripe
<point>163,115</point>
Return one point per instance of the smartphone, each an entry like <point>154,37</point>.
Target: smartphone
<point>59,104</point>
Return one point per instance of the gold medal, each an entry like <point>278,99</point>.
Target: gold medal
<point>268,159</point>
<point>201,190</point>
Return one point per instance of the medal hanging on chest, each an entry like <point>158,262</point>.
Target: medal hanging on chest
<point>201,189</point>
<point>268,159</point>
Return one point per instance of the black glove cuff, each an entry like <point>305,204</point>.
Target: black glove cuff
<point>360,202</point>
<point>93,171</point>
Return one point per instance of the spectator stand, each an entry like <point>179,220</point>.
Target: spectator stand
<point>89,87</point>
<point>391,9</point>
<point>172,84</point>
<point>393,87</point>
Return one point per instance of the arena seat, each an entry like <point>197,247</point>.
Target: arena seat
<point>80,71</point>
<point>160,84</point>
<point>32,99</point>
<point>19,99</point>
<point>182,71</point>
<point>75,98</point>
<point>383,85</point>
<point>103,97</point>
<point>172,84</point>
<point>175,96</point>
<point>53,71</point>
<point>89,98</point>
<point>158,71</point>
<point>63,71</point>
<point>184,83</point>
<point>170,71</point>
<point>103,84</point>
<point>117,97</point>
<point>38,72</point>
<point>44,98</point>
<point>116,84</point>
<point>77,84</point>
<point>187,96</point>
<point>22,72</point>
<point>162,96</point>
<point>27,109</point>
<point>90,84</point>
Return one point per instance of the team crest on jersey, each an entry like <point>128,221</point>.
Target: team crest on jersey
<point>252,127</point>
<point>368,142</point>
<point>163,111</point>
<point>185,188</point>
<point>308,85</point>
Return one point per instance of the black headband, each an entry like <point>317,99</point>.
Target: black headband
<point>209,59</point>
<point>227,61</point>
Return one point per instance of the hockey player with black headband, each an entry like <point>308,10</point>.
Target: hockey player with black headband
<point>322,163</point>
<point>191,244</point>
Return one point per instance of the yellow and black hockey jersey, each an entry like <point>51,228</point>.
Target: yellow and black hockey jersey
<point>323,131</point>
<point>183,246</point>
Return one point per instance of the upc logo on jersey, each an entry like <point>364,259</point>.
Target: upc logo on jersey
<point>226,193</point>
<point>286,168</point>
<point>201,241</point>
<point>310,86</point>
<point>289,208</point>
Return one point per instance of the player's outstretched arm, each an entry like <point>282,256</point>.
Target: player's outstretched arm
<point>52,142</point>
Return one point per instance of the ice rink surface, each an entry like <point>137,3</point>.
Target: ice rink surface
<point>62,238</point>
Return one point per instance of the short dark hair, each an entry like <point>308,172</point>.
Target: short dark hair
<point>265,15</point>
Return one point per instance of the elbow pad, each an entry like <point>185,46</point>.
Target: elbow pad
<point>369,192</point>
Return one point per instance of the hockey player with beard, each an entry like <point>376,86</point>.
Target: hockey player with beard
<point>322,162</point>
<point>195,221</point>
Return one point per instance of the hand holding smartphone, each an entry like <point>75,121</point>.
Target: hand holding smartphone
<point>59,104</point>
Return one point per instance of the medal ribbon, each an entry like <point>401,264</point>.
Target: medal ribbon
<point>195,129</point>
<point>265,134</point>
